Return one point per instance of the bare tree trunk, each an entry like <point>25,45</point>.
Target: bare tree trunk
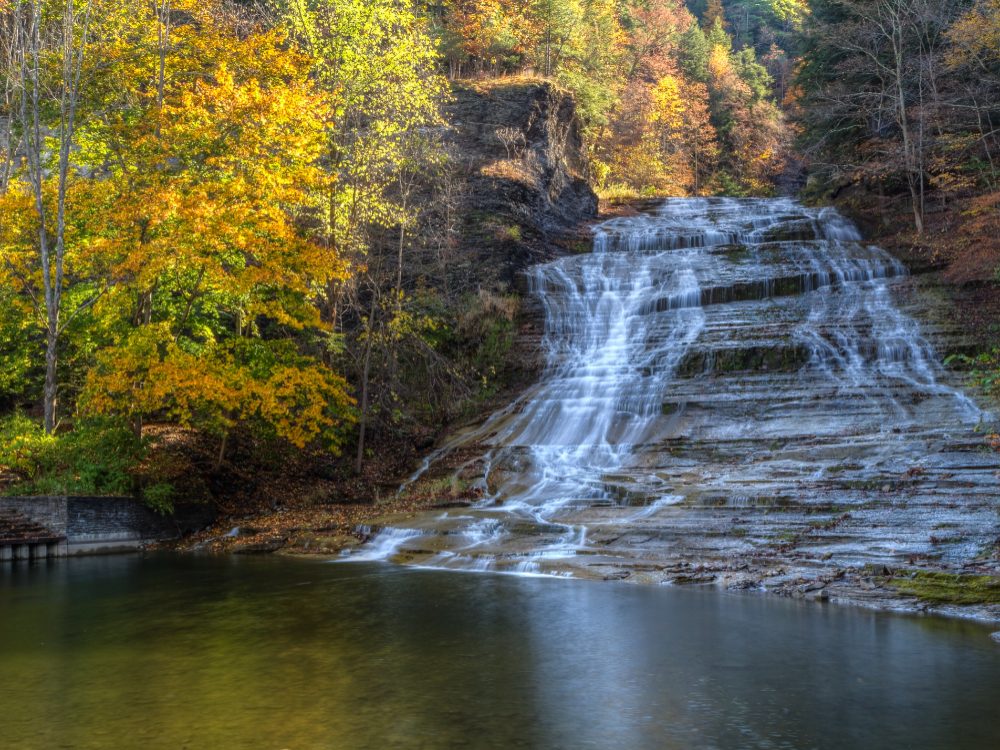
<point>365,372</point>
<point>894,17</point>
<point>162,47</point>
<point>51,249</point>
<point>51,391</point>
<point>221,455</point>
<point>921,151</point>
<point>11,34</point>
<point>983,138</point>
<point>400,245</point>
<point>548,52</point>
<point>697,175</point>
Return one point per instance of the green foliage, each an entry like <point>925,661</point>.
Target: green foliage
<point>984,367</point>
<point>96,457</point>
<point>487,325</point>
<point>752,73</point>
<point>22,440</point>
<point>20,343</point>
<point>377,64</point>
<point>694,51</point>
<point>159,497</point>
<point>724,184</point>
<point>594,97</point>
<point>510,233</point>
<point>717,36</point>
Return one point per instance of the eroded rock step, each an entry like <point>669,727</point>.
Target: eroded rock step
<point>735,391</point>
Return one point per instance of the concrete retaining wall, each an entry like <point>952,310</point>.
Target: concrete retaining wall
<point>48,511</point>
<point>107,524</point>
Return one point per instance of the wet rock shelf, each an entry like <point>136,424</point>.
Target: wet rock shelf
<point>741,386</point>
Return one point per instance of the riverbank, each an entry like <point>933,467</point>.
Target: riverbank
<point>331,530</point>
<point>334,530</point>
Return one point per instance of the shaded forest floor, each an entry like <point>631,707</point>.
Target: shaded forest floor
<point>960,248</point>
<point>299,502</point>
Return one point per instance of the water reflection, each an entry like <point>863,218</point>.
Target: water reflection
<point>270,653</point>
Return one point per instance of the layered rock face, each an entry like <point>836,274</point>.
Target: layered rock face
<point>524,187</point>
<point>735,390</point>
<point>532,126</point>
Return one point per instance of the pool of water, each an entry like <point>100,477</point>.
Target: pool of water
<point>228,652</point>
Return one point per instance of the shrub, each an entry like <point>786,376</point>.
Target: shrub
<point>97,457</point>
<point>618,192</point>
<point>159,497</point>
<point>22,442</point>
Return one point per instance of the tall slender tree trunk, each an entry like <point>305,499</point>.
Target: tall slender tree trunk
<point>221,455</point>
<point>548,52</point>
<point>365,373</point>
<point>51,390</point>
<point>984,140</point>
<point>51,246</point>
<point>909,155</point>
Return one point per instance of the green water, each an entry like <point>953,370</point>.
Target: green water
<point>190,652</point>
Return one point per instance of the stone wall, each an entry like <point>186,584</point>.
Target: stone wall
<point>50,512</point>
<point>107,524</point>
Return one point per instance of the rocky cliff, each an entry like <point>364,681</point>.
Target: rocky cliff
<point>512,191</point>
<point>524,176</point>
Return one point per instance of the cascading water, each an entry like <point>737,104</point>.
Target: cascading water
<point>725,378</point>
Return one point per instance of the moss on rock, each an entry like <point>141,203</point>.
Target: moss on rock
<point>948,588</point>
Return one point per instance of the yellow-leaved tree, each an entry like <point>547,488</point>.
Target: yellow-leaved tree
<point>196,149</point>
<point>378,68</point>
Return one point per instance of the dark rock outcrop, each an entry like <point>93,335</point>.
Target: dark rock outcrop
<point>524,175</point>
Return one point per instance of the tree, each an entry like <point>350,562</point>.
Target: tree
<point>590,63</point>
<point>714,14</point>
<point>654,29</point>
<point>377,65</point>
<point>694,51</point>
<point>205,173</point>
<point>44,60</point>
<point>972,66</point>
<point>871,82</point>
<point>558,22</point>
<point>697,136</point>
<point>11,38</point>
<point>246,381</point>
<point>717,36</point>
<point>491,34</point>
<point>687,141</point>
<point>194,157</point>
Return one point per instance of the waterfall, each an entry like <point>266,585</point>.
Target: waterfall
<point>714,353</point>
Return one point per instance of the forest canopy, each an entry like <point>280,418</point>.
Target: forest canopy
<point>238,218</point>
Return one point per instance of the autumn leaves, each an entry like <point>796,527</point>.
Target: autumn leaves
<point>186,191</point>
